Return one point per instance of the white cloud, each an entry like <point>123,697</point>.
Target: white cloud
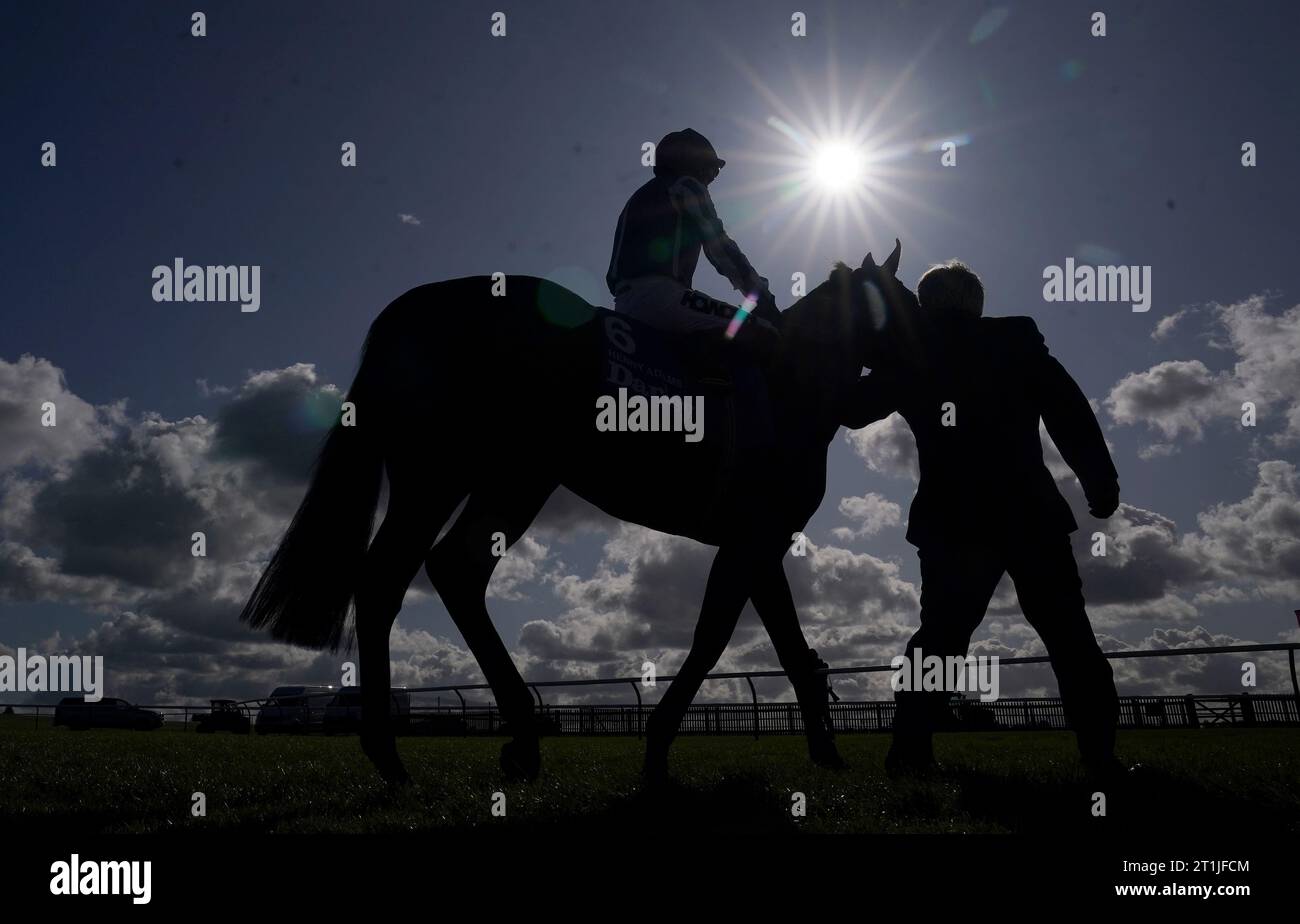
<point>25,386</point>
<point>887,447</point>
<point>1183,397</point>
<point>1174,397</point>
<point>102,519</point>
<point>872,513</point>
<point>521,565</point>
<point>1256,541</point>
<point>1165,327</point>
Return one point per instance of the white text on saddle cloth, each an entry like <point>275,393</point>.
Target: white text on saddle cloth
<point>649,398</point>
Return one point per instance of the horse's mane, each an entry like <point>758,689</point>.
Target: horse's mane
<point>838,283</point>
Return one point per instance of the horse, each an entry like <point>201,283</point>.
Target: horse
<point>468,396</point>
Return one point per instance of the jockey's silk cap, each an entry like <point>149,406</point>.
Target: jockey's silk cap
<point>684,152</point>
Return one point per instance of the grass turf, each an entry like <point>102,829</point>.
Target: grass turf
<point>1194,781</point>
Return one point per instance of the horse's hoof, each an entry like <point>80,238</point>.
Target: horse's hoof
<point>521,760</point>
<point>397,777</point>
<point>825,754</point>
<point>383,754</point>
<point>654,772</point>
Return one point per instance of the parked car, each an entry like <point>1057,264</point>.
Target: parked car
<point>74,712</point>
<point>225,715</point>
<point>293,709</point>
<point>343,714</point>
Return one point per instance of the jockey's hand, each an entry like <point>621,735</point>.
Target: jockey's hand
<point>766,309</point>
<point>758,339</point>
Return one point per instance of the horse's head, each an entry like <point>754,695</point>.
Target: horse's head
<point>856,318</point>
<point>890,308</point>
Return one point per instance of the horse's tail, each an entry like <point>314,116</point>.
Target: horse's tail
<point>306,591</point>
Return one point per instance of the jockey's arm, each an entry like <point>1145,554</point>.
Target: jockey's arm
<point>692,198</point>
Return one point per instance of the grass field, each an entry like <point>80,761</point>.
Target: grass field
<point>1196,781</point>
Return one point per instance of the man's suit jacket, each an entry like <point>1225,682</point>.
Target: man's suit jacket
<point>984,476</point>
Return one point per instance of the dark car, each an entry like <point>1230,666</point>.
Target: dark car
<point>225,715</point>
<point>343,713</point>
<point>74,712</point>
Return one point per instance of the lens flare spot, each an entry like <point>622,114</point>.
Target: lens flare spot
<point>989,23</point>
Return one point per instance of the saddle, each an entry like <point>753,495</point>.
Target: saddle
<point>638,360</point>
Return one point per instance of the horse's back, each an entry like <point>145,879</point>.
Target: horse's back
<point>510,306</point>
<point>536,368</point>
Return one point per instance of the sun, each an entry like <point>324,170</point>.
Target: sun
<point>837,166</point>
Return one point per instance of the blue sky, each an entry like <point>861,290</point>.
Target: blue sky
<point>516,154</point>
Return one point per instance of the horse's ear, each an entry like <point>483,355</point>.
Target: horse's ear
<point>891,263</point>
<point>868,262</point>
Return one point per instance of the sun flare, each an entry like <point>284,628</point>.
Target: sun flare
<point>837,166</point>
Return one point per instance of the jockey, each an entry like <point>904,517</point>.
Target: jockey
<point>657,244</point>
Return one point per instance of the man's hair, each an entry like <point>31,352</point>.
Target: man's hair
<point>951,288</point>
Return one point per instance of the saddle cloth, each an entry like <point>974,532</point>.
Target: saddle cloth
<point>636,360</point>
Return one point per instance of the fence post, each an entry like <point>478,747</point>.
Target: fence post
<point>1295,685</point>
<point>638,708</point>
<point>1247,710</point>
<point>754,694</point>
<point>1189,703</point>
<point>464,718</point>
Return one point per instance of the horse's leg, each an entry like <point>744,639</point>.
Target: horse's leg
<point>460,567</point>
<point>410,526</point>
<point>770,593</point>
<point>724,599</point>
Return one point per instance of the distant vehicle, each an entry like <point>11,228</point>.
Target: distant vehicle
<point>225,715</point>
<point>293,709</point>
<point>74,712</point>
<point>343,714</point>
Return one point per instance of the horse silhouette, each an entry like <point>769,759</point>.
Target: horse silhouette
<point>466,396</point>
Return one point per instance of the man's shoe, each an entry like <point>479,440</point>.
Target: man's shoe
<point>915,761</point>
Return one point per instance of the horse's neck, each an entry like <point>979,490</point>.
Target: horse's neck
<point>807,394</point>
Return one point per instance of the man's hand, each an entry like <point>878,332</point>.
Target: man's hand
<point>1102,504</point>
